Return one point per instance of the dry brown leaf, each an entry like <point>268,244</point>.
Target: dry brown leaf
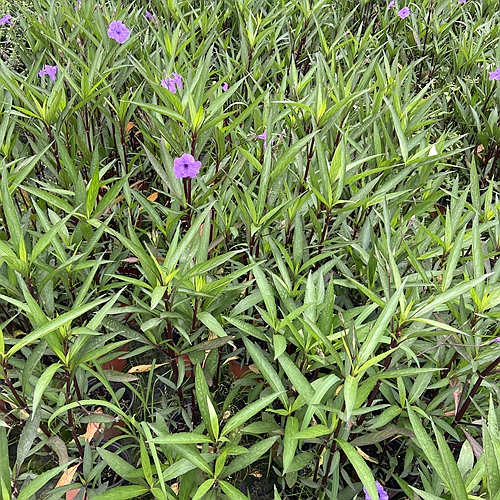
<point>92,428</point>
<point>232,358</point>
<point>144,368</point>
<point>457,393</point>
<point>131,260</point>
<point>477,449</point>
<point>67,476</point>
<point>153,196</point>
<point>129,127</point>
<point>254,369</point>
<point>175,488</point>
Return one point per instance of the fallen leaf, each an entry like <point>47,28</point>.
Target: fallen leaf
<point>92,428</point>
<point>144,368</point>
<point>67,475</point>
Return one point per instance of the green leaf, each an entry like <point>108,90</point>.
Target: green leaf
<point>251,456</point>
<point>350,393</point>
<point>157,295</point>
<point>193,455</point>
<point>54,324</point>
<point>5,488</point>
<point>454,478</point>
<point>39,482</point>
<point>120,466</point>
<point>266,369</point>
<point>213,325</point>
<point>122,493</point>
<point>289,442</point>
<point>202,397</point>
<point>43,382</point>
<point>297,378</point>
<point>203,488</point>
<point>232,492</point>
<point>181,438</point>
<point>247,413</point>
<point>26,440</point>
<point>267,294</point>
<point>426,443</point>
<point>279,344</point>
<point>214,419</point>
<point>452,294</point>
<point>313,432</point>
<point>370,344</point>
<point>363,471</point>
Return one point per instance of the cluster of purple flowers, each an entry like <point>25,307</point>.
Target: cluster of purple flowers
<point>173,84</point>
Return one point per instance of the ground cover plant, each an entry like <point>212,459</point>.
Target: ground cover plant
<point>281,219</point>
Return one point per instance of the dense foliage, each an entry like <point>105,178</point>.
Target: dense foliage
<point>283,215</point>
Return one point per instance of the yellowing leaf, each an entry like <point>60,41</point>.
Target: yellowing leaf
<point>365,456</point>
<point>144,368</point>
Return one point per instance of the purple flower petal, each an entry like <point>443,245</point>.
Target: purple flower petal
<point>148,15</point>
<point>186,166</point>
<point>391,4</point>
<point>404,12</point>
<point>382,494</point>
<point>225,86</point>
<point>173,84</point>
<point>495,75</point>
<point>118,31</point>
<point>6,20</point>
<point>48,70</point>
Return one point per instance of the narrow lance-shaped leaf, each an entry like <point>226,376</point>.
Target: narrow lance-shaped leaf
<point>370,344</point>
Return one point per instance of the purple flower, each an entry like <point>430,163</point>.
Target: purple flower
<point>148,15</point>
<point>177,80</point>
<point>118,31</point>
<point>6,20</point>
<point>462,1</point>
<point>186,166</point>
<point>392,3</point>
<point>49,70</point>
<point>173,84</point>
<point>263,137</point>
<point>382,494</point>
<point>495,75</point>
<point>404,12</point>
<point>225,86</point>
